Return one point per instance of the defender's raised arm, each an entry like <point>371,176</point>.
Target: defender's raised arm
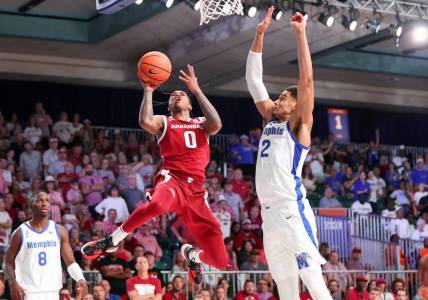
<point>302,120</point>
<point>254,70</point>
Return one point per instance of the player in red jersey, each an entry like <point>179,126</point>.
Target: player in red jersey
<point>178,187</point>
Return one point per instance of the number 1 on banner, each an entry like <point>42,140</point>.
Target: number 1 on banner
<point>190,139</point>
<point>338,123</point>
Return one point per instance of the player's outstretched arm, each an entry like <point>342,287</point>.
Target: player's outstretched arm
<point>212,123</point>
<point>254,70</point>
<point>16,291</point>
<point>149,122</point>
<point>72,267</point>
<point>302,120</point>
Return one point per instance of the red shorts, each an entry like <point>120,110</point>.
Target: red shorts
<point>188,199</point>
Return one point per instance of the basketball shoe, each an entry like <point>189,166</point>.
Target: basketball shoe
<point>195,268</point>
<point>93,249</point>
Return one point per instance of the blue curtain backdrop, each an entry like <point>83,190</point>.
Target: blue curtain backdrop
<point>119,107</point>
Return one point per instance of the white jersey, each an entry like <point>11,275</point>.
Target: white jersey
<point>279,165</point>
<point>38,263</point>
<point>289,226</point>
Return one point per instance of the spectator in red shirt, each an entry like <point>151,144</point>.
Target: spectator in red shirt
<point>359,292</point>
<point>177,290</point>
<point>66,178</point>
<point>255,218</point>
<point>305,296</point>
<point>249,292</point>
<point>143,286</point>
<point>76,155</point>
<point>240,186</point>
<point>182,233</point>
<point>246,234</point>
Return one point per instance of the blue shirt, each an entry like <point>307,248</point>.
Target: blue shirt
<point>360,187</point>
<point>392,179</point>
<point>334,183</point>
<point>232,152</point>
<point>245,155</point>
<point>419,176</point>
<point>340,176</point>
<point>373,158</point>
<point>329,203</point>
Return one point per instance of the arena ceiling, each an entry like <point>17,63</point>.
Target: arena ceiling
<point>68,41</point>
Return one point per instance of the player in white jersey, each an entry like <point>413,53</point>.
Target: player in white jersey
<point>289,231</point>
<point>33,259</point>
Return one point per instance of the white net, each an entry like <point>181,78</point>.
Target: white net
<point>214,9</point>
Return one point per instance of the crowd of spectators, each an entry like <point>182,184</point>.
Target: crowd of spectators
<point>95,180</point>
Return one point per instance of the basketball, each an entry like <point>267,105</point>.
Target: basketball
<point>154,68</point>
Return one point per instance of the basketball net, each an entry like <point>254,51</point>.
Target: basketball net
<point>214,9</point>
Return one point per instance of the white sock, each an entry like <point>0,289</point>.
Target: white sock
<point>194,256</point>
<point>118,235</point>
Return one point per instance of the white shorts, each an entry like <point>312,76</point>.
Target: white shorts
<point>42,296</point>
<point>290,236</point>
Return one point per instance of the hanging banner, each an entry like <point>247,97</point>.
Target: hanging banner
<point>338,124</point>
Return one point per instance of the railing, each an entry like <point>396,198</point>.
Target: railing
<point>92,278</point>
<point>236,279</point>
<point>221,140</point>
<point>371,234</point>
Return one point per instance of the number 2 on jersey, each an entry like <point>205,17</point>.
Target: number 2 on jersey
<point>265,145</point>
<point>42,258</point>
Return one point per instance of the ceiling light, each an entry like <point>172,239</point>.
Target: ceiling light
<point>326,19</point>
<point>420,33</point>
<point>350,22</point>
<point>169,3</point>
<point>250,10</point>
<point>277,14</point>
<point>138,2</point>
<point>374,23</point>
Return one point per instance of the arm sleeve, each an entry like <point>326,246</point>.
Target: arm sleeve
<point>254,77</point>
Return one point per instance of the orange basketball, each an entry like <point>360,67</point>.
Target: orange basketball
<point>154,68</point>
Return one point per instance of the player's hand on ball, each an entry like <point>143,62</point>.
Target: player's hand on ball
<point>16,291</point>
<point>148,87</point>
<point>82,288</point>
<point>263,25</point>
<point>190,79</point>
<point>298,22</point>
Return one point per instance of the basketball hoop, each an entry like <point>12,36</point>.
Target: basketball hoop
<point>214,9</point>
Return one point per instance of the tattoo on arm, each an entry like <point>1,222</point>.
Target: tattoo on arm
<point>213,121</point>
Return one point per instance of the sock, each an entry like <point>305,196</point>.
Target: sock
<point>194,256</point>
<point>118,235</point>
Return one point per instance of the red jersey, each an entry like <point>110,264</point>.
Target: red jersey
<point>149,286</point>
<point>184,147</point>
<point>354,295</point>
<point>242,295</point>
